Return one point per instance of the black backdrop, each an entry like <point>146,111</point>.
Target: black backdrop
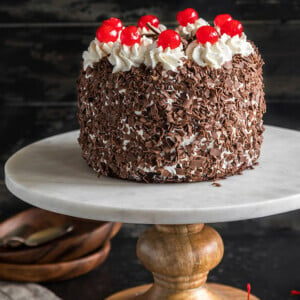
<point>40,54</point>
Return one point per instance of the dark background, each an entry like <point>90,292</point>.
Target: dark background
<point>40,54</point>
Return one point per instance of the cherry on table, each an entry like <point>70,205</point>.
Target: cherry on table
<point>221,19</point>
<point>169,38</point>
<point>232,28</point>
<point>106,34</point>
<point>153,20</point>
<point>189,15</point>
<point>207,34</point>
<point>130,36</point>
<point>114,22</point>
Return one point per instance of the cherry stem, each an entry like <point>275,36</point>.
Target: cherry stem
<point>155,30</point>
<point>249,290</point>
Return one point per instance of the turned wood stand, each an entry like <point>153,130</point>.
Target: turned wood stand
<point>180,258</point>
<point>51,174</point>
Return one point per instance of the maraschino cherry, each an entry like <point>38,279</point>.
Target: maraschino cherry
<point>106,34</point>
<point>189,15</point>
<point>130,36</point>
<point>207,34</point>
<point>169,38</point>
<point>142,23</point>
<point>221,19</point>
<point>232,28</point>
<point>114,22</point>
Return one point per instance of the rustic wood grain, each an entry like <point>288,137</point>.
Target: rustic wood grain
<point>86,237</point>
<point>54,271</point>
<point>225,292</point>
<point>180,257</point>
<point>93,10</point>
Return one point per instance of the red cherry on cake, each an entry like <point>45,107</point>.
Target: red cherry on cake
<point>106,34</point>
<point>232,28</point>
<point>169,38</point>
<point>142,23</point>
<point>114,22</point>
<point>130,36</point>
<point>207,34</point>
<point>189,15</point>
<point>221,19</point>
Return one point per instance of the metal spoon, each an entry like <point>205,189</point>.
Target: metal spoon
<point>38,238</point>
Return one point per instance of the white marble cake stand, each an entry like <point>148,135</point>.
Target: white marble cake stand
<point>52,175</point>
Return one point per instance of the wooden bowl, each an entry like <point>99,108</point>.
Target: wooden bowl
<point>86,237</point>
<point>56,271</point>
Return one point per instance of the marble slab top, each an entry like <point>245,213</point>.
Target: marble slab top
<point>52,175</point>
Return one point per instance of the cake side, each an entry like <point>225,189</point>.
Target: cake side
<point>195,125</point>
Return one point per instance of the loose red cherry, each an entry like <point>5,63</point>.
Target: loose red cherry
<point>130,36</point>
<point>189,15</point>
<point>221,19</point>
<point>207,34</point>
<point>106,34</point>
<point>232,28</point>
<point>169,38</point>
<point>114,22</point>
<point>142,23</point>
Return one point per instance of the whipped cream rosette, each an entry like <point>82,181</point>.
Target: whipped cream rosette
<point>189,23</point>
<point>232,32</point>
<point>106,35</point>
<point>190,30</point>
<point>238,44</point>
<point>130,51</point>
<point>213,51</point>
<point>95,52</point>
<point>167,50</point>
<point>143,25</point>
<point>208,54</point>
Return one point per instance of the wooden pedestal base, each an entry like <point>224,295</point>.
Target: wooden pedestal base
<point>180,257</point>
<point>218,291</point>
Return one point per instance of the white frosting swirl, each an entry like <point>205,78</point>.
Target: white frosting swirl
<point>95,52</point>
<point>190,29</point>
<point>210,55</point>
<point>222,51</point>
<point>238,44</point>
<point>146,31</point>
<point>123,57</point>
<point>171,59</point>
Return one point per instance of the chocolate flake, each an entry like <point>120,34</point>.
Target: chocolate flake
<point>195,125</point>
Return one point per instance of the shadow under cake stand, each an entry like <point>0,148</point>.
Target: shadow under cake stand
<point>52,175</point>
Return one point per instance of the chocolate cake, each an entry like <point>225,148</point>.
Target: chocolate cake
<point>158,105</point>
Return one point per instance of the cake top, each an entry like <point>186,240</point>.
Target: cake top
<point>150,43</point>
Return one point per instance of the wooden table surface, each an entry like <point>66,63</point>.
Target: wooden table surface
<point>40,48</point>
